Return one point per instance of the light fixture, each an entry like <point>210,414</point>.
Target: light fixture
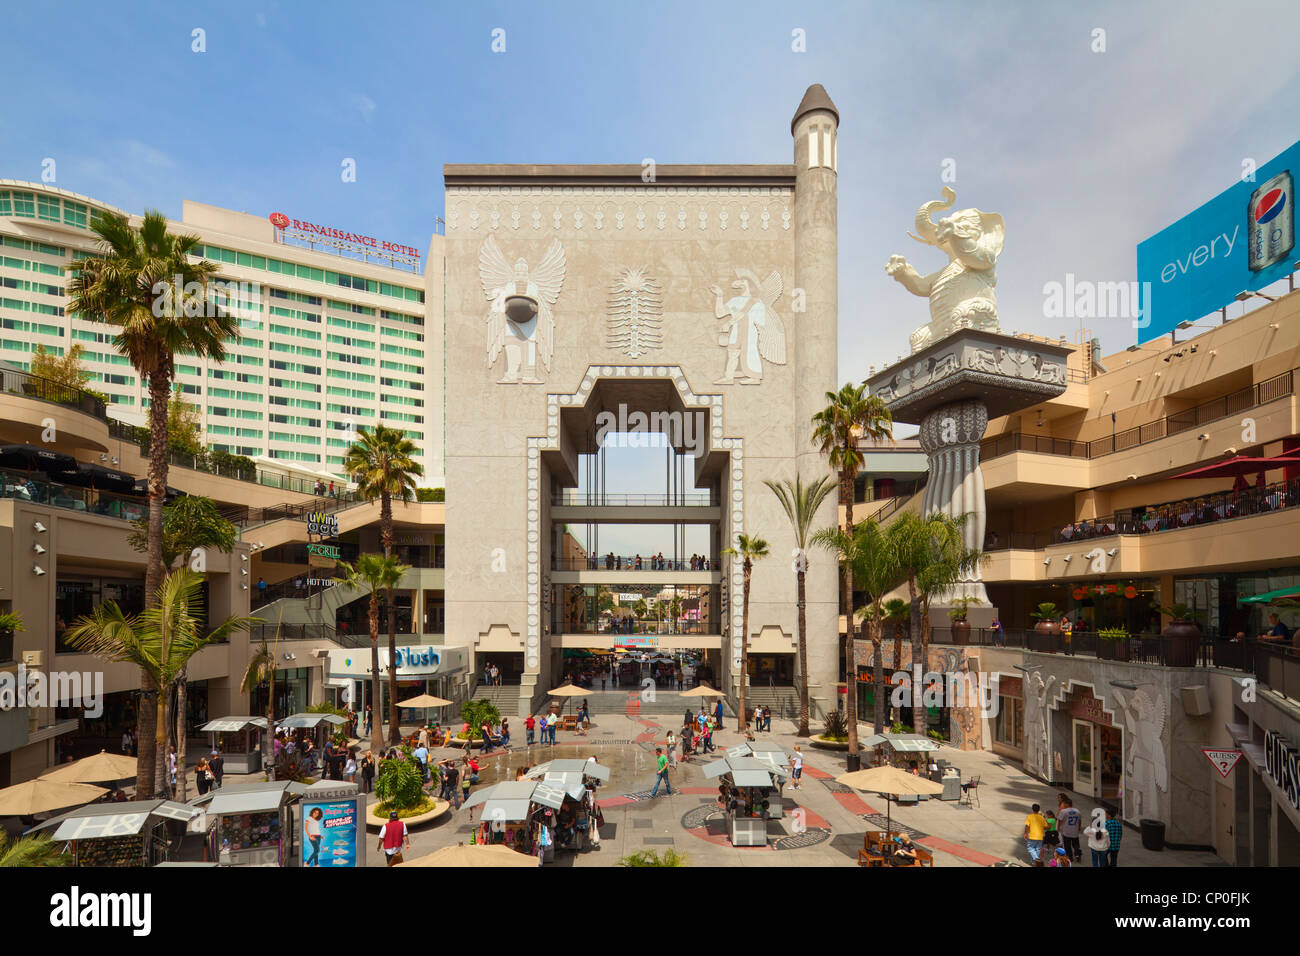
<point>1111,552</point>
<point>1040,418</point>
<point>1185,325</point>
<point>1274,326</point>
<point>37,570</point>
<point>1231,451</point>
<point>1138,380</point>
<point>1132,477</point>
<point>1047,560</point>
<point>38,527</point>
<point>243,557</point>
<point>1124,684</point>
<point>103,457</point>
<point>1133,348</point>
<point>1204,436</point>
<point>243,572</point>
<point>38,548</point>
<point>243,587</point>
<point>1068,558</point>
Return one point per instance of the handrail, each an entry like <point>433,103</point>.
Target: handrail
<point>623,562</point>
<point>570,496</point>
<point>1225,406</point>
<point>1166,516</point>
<point>17,382</point>
<point>246,518</point>
<point>899,502</point>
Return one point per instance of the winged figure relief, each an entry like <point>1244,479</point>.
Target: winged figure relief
<point>752,332</point>
<point>520,322</point>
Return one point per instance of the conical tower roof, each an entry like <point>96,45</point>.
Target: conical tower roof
<point>816,98</point>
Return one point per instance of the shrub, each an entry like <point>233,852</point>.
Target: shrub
<point>836,726</point>
<point>476,713</point>
<point>652,858</point>
<point>1046,612</point>
<point>431,494</point>
<point>1114,634</point>
<point>399,785</point>
<point>898,727</point>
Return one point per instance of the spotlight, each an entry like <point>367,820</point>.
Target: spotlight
<point>1111,552</point>
<point>37,570</point>
<point>243,557</point>
<point>243,572</point>
<point>1047,560</point>
<point>1124,684</point>
<point>243,587</point>
<point>38,527</point>
<point>103,457</point>
<point>1204,436</point>
<point>1068,558</point>
<point>1132,477</point>
<point>1133,348</point>
<point>38,548</point>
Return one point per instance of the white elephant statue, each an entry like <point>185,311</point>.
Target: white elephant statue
<point>963,293</point>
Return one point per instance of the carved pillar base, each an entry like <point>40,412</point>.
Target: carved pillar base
<point>950,436</point>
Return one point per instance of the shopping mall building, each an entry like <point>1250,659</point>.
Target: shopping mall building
<point>573,310</point>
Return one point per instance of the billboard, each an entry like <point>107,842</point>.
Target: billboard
<point>331,836</point>
<point>1241,240</point>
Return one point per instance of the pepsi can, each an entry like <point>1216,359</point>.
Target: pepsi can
<point>1270,222</point>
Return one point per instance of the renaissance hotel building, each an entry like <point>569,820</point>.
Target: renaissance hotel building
<point>327,341</point>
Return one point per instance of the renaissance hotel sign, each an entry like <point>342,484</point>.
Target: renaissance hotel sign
<point>341,239</point>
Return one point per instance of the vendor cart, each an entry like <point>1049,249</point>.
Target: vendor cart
<point>137,833</point>
<point>748,790</point>
<point>240,741</point>
<point>250,824</point>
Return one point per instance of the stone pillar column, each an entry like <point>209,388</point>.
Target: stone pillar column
<point>950,436</point>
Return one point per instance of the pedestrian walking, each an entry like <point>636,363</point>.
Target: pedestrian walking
<point>201,776</point>
<point>1114,830</point>
<point>370,718</point>
<point>505,734</point>
<point>661,775</point>
<point>367,771</point>
<point>530,724</point>
<point>796,767</point>
<point>1098,842</point>
<point>672,750</point>
<point>1068,823</point>
<point>1035,830</point>
<point>392,838</point>
<point>217,764</point>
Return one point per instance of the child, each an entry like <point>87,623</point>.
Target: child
<point>1052,838</point>
<point>1061,858</point>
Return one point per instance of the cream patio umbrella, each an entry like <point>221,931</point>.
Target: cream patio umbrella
<point>102,767</point>
<point>889,782</point>
<point>475,854</point>
<point>424,702</point>
<point>569,690</point>
<point>41,796</point>
<point>702,690</point>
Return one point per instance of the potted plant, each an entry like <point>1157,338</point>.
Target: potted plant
<point>11,622</point>
<point>1181,639</point>
<point>957,613</point>
<point>1112,644</point>
<point>1048,618</point>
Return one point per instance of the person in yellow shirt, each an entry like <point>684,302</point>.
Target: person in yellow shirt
<point>1035,829</point>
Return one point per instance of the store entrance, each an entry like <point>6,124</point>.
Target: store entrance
<point>1098,759</point>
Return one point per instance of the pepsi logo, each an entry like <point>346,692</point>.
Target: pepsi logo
<point>1269,205</point>
<point>279,220</point>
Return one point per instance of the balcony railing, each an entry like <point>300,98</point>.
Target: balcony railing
<point>31,386</point>
<point>632,563</point>
<point>22,487</point>
<point>1139,649</point>
<point>1225,406</point>
<point>570,496</point>
<point>1153,519</point>
<point>640,627</point>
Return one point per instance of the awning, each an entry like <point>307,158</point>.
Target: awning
<point>505,810</point>
<point>549,795</point>
<point>509,790</point>
<point>36,458</point>
<point>751,778</point>
<point>91,475</point>
<point>910,743</point>
<point>258,801</point>
<point>296,721</point>
<point>1240,465</point>
<point>1268,597</point>
<point>716,769</point>
<point>544,771</point>
<point>110,820</point>
<point>230,724</point>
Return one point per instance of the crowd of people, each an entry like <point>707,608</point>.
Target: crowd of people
<point>1054,837</point>
<point>651,562</point>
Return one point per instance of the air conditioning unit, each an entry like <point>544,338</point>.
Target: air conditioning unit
<point>1196,700</point>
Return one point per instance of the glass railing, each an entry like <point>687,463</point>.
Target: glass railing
<point>633,563</point>
<point>22,487</point>
<point>1153,519</point>
<point>631,628</point>
<point>571,496</point>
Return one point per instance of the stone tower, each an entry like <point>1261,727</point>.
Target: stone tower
<point>815,129</point>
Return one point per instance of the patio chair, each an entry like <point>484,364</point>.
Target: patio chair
<point>970,792</point>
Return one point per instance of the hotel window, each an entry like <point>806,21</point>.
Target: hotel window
<point>74,214</point>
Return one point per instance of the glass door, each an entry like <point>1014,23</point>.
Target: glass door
<point>1084,767</point>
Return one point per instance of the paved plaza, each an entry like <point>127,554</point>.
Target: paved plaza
<point>690,821</point>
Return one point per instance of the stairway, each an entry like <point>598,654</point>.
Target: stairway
<point>784,701</point>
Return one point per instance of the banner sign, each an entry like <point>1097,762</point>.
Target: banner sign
<point>1240,241</point>
<point>323,524</point>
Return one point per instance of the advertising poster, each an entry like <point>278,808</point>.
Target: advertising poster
<point>330,833</point>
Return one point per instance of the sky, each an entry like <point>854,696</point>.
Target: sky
<point>1086,142</point>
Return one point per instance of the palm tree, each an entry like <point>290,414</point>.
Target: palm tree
<point>190,523</point>
<point>382,463</point>
<point>749,550</point>
<point>801,504</point>
<point>897,613</point>
<point>850,415</point>
<point>875,567</point>
<point>131,284</point>
<point>949,561</point>
<point>261,669</point>
<point>159,640</point>
<point>39,850</point>
<point>378,573</point>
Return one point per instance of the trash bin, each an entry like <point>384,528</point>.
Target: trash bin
<point>1153,834</point>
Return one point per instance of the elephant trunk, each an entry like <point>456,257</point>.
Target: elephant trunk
<point>925,227</point>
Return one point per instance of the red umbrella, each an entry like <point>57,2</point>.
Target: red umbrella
<point>1240,465</point>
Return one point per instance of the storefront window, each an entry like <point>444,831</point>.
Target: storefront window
<point>1009,726</point>
<point>76,597</point>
